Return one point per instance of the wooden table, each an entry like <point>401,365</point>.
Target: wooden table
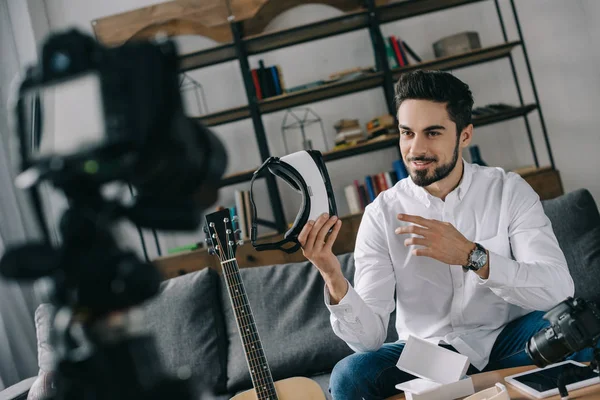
<point>488,379</point>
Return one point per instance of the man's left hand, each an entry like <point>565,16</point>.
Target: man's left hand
<point>440,240</point>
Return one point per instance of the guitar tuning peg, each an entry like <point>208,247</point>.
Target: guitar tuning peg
<point>212,251</point>
<point>240,242</point>
<point>235,218</point>
<point>238,232</point>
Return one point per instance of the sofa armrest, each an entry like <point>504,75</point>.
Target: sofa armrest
<point>18,391</point>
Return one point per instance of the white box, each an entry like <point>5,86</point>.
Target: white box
<point>423,389</point>
<point>441,372</point>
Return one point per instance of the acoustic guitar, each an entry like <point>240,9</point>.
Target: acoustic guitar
<point>222,241</point>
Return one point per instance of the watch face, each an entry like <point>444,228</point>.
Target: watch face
<point>479,258</point>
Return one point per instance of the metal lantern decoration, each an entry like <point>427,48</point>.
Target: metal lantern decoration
<point>193,96</point>
<point>301,119</point>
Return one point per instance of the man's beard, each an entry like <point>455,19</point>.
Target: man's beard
<point>421,178</point>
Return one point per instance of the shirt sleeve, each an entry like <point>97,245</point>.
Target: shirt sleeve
<point>538,278</point>
<point>361,318</point>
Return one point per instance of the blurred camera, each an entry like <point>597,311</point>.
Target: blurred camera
<point>574,326</point>
<point>125,120</point>
<point>124,115</point>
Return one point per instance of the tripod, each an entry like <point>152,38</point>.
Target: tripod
<point>98,334</point>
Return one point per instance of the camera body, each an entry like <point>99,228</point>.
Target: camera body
<point>148,141</point>
<point>574,326</point>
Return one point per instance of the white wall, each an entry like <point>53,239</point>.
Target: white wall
<point>559,36</point>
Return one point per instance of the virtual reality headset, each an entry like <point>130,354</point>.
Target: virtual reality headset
<point>306,173</point>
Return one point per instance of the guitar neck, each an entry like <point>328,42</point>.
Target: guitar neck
<point>255,356</point>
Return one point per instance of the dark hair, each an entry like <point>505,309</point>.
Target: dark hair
<point>441,87</point>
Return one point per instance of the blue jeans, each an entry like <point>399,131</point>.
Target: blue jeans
<point>374,375</point>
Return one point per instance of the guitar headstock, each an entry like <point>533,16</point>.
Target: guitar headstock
<point>222,238</point>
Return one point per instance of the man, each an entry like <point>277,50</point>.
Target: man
<point>467,250</point>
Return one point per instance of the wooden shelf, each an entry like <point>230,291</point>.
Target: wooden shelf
<point>225,116</point>
<point>284,101</point>
<point>238,177</point>
<point>324,92</point>
<point>408,9</point>
<point>504,115</point>
<point>545,181</point>
<point>462,60</point>
<point>362,148</point>
<point>319,30</point>
<point>204,58</point>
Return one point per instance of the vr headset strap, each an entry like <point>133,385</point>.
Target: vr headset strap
<point>280,245</point>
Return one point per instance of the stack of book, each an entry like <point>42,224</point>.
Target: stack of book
<point>397,52</point>
<point>268,81</point>
<point>348,131</point>
<point>382,125</point>
<point>360,194</point>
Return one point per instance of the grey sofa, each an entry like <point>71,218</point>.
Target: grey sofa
<point>194,325</point>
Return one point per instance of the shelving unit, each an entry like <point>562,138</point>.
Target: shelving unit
<point>370,17</point>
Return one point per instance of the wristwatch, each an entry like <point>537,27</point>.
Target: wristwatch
<point>477,259</point>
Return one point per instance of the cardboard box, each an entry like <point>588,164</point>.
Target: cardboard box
<point>441,372</point>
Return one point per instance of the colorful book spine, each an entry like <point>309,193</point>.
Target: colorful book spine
<point>275,77</point>
<point>256,81</point>
<point>402,51</point>
<point>411,52</point>
<point>264,79</point>
<point>352,198</point>
<point>391,57</point>
<point>370,188</point>
<point>361,199</point>
<point>281,80</point>
<point>400,169</point>
<point>397,52</point>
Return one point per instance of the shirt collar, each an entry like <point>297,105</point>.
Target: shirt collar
<point>465,181</point>
<point>461,189</point>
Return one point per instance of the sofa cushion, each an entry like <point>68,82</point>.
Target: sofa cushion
<point>576,223</point>
<point>292,321</point>
<point>187,323</point>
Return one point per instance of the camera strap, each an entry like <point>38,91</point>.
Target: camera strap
<point>306,173</point>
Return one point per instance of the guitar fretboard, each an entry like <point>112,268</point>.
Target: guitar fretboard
<point>255,356</point>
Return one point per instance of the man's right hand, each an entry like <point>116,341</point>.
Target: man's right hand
<point>317,248</point>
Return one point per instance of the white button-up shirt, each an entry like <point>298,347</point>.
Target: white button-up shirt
<point>440,302</point>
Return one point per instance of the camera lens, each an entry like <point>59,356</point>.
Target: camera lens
<point>546,347</point>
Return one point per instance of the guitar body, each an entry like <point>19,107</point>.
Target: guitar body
<point>297,388</point>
